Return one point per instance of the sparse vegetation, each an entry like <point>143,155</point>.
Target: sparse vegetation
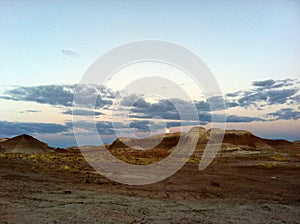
<point>268,165</point>
<point>279,158</point>
<point>70,169</point>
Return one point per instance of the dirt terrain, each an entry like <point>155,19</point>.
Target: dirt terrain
<point>242,185</point>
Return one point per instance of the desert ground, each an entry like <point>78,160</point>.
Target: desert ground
<point>242,185</point>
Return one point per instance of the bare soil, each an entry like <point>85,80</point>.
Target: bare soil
<point>63,188</point>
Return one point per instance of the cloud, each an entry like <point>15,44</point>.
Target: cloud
<point>103,127</point>
<point>267,93</point>
<point>70,53</point>
<point>82,112</point>
<point>231,104</point>
<point>165,109</point>
<point>265,83</point>
<point>285,114</point>
<point>89,96</point>
<point>124,128</point>
<point>214,104</point>
<point>106,127</point>
<point>146,125</point>
<point>238,119</point>
<point>270,97</point>
<point>48,94</point>
<point>134,100</point>
<point>296,99</point>
<point>30,111</point>
<point>280,96</point>
<point>206,118</point>
<point>174,108</point>
<point>8,129</point>
<point>273,84</point>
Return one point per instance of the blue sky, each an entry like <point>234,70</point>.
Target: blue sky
<point>54,42</point>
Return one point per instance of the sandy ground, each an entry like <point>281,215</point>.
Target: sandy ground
<point>63,188</point>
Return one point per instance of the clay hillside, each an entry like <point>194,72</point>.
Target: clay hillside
<point>234,140</point>
<point>166,141</point>
<point>24,144</point>
<point>232,137</point>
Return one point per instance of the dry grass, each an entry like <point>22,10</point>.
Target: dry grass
<point>279,158</point>
<point>69,169</point>
<point>268,165</point>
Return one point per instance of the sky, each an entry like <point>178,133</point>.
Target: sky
<point>251,47</point>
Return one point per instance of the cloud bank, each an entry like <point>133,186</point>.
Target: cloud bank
<point>145,115</point>
<point>96,96</point>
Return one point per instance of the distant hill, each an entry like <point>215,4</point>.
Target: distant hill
<point>237,139</point>
<point>166,141</point>
<point>234,140</point>
<point>24,144</point>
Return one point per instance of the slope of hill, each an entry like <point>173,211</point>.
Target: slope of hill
<point>3,139</point>
<point>166,141</point>
<point>24,144</point>
<point>235,143</point>
<point>241,138</point>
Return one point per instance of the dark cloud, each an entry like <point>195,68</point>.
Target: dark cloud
<point>231,104</point>
<point>48,94</point>
<point>265,93</point>
<point>8,129</point>
<point>273,84</point>
<point>146,125</point>
<point>90,96</point>
<point>285,114</point>
<point>134,100</point>
<point>284,83</point>
<point>140,125</point>
<point>232,94</point>
<point>269,97</point>
<point>265,83</point>
<point>250,99</point>
<point>163,108</point>
<point>103,127</point>
<point>280,96</point>
<point>166,109</point>
<point>82,112</point>
<point>93,96</point>
<point>106,127</point>
<point>214,104</point>
<point>219,103</point>
<point>202,106</point>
